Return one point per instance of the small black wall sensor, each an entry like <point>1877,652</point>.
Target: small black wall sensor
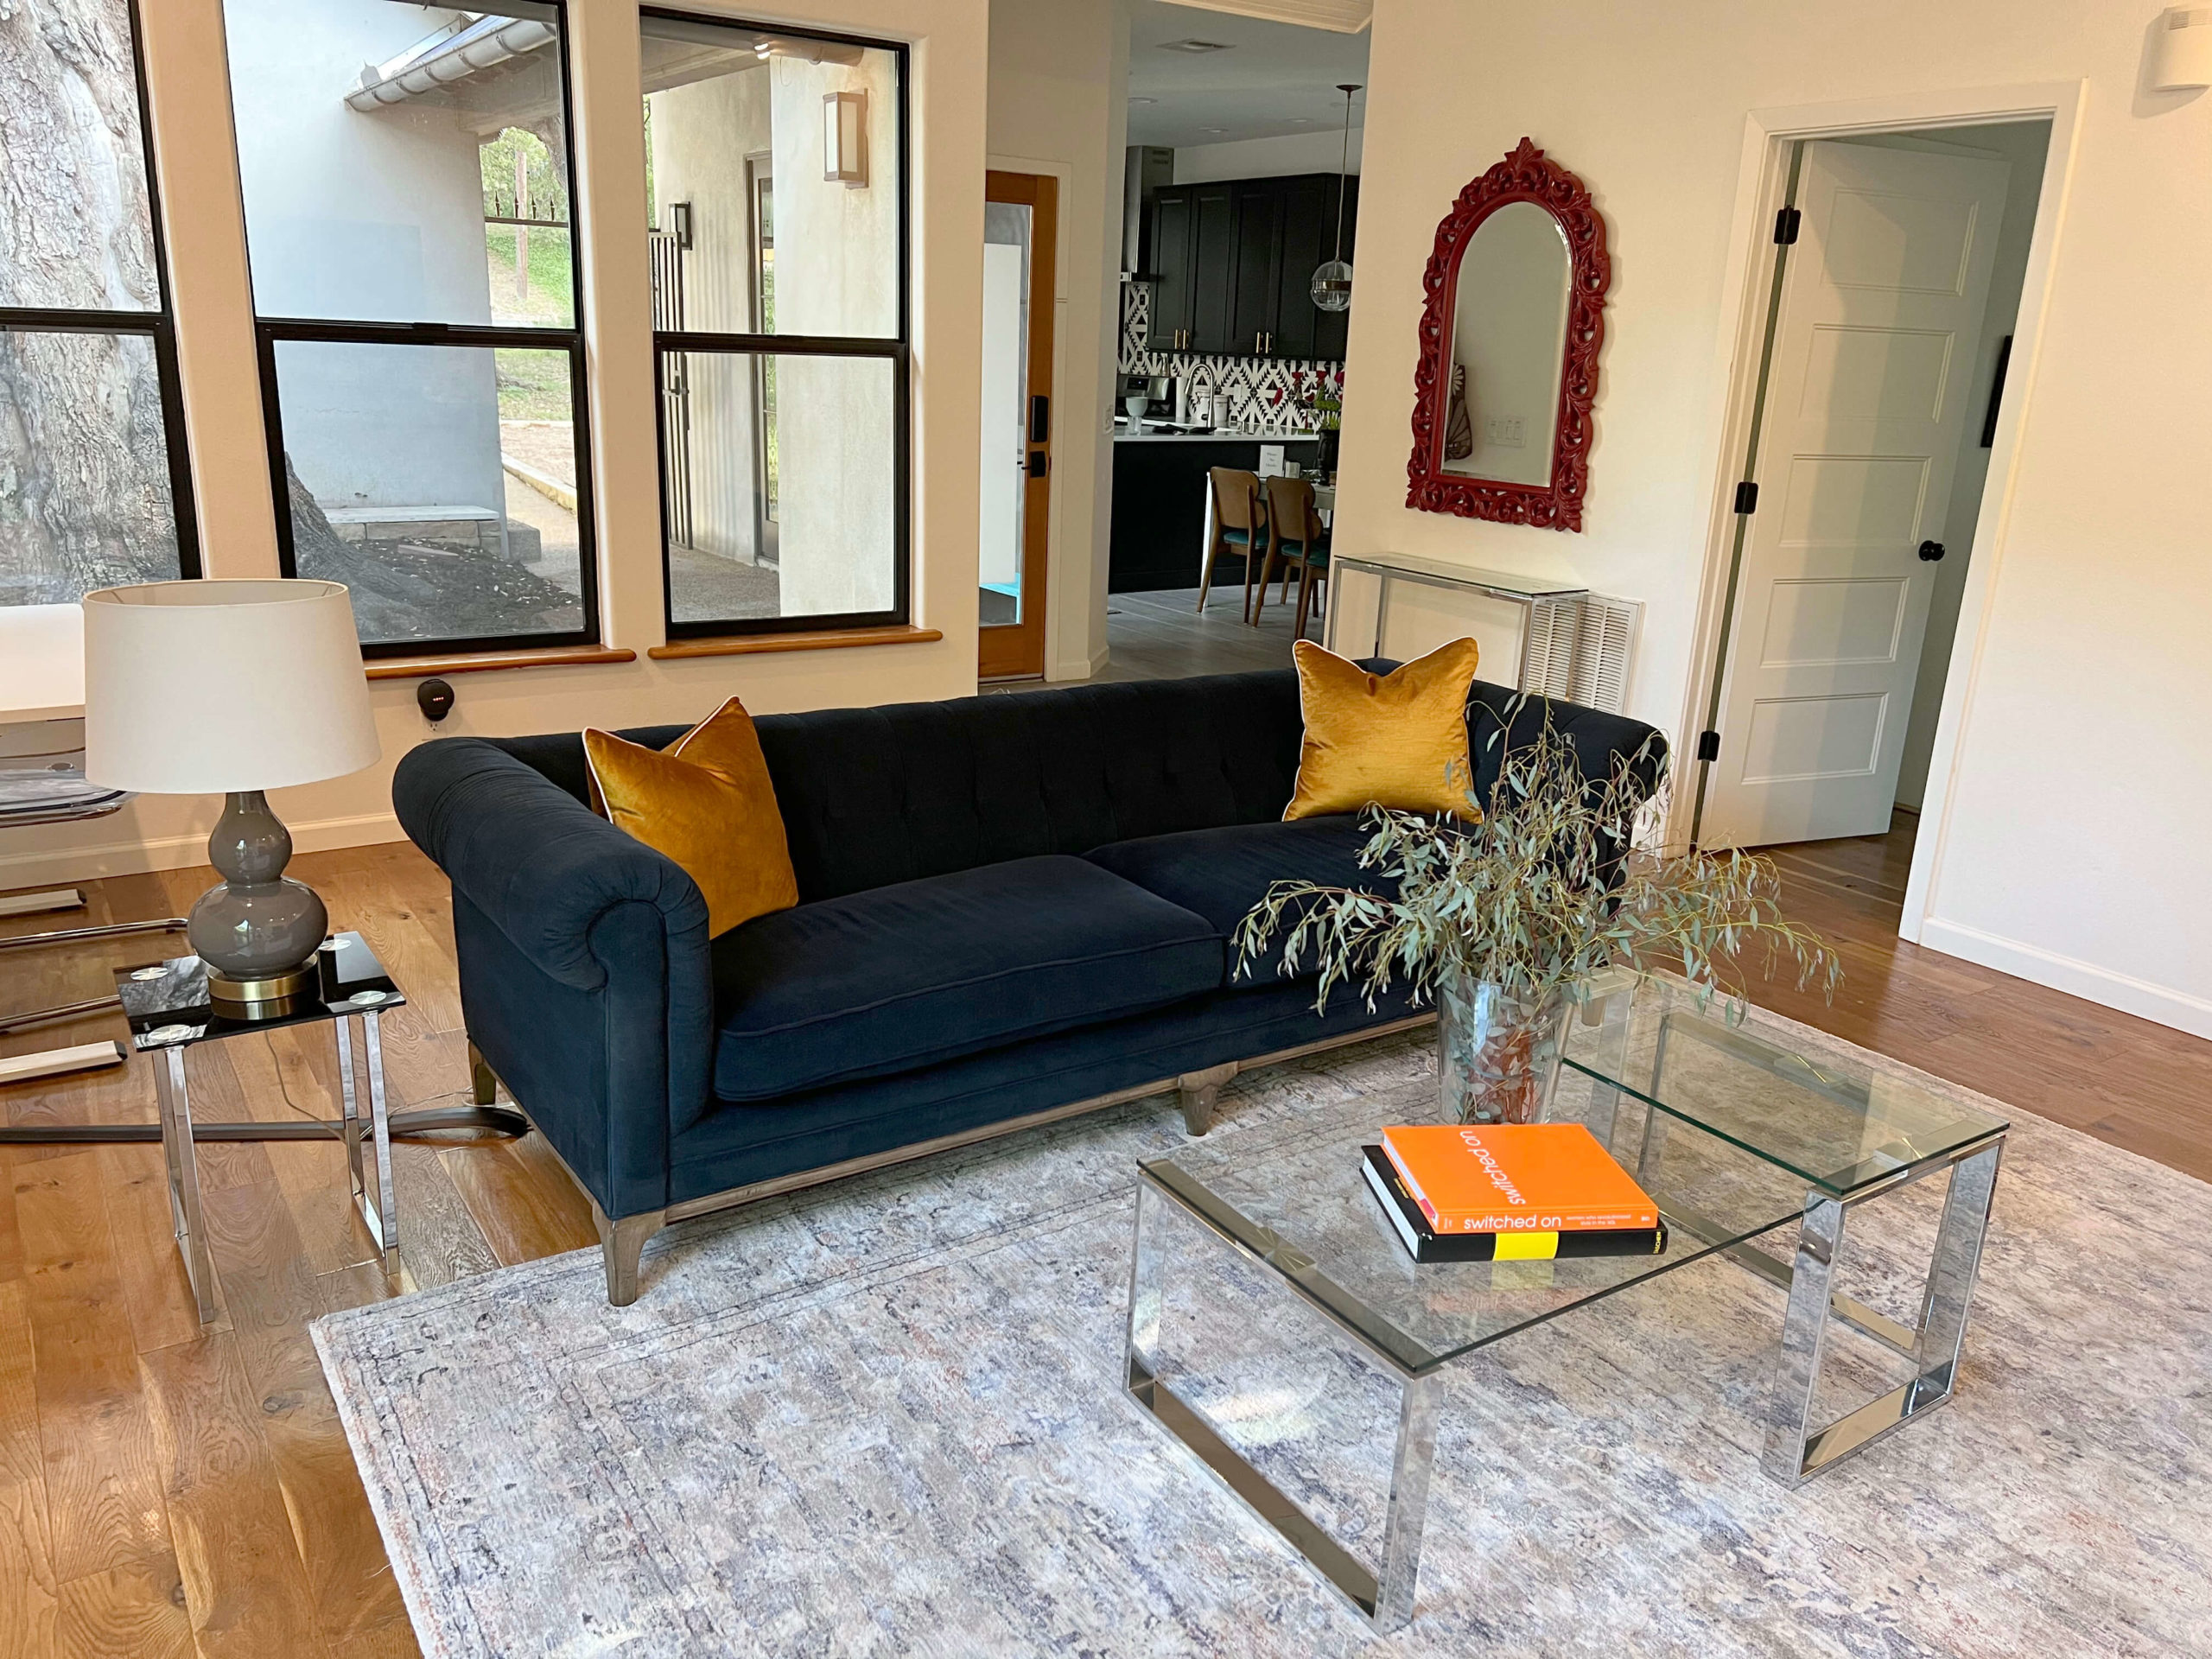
<point>434,699</point>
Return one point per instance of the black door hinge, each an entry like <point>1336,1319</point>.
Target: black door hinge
<point>1785,226</point>
<point>1747,497</point>
<point>1708,746</point>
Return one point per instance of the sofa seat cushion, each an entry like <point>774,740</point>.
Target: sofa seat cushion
<point>1221,874</point>
<point>922,971</point>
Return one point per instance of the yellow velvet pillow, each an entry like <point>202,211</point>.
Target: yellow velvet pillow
<point>707,801</point>
<point>1393,739</point>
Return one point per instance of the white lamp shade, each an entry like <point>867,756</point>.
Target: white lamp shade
<point>197,688</point>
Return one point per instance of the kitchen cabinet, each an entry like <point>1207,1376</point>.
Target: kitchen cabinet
<point>1233,261</point>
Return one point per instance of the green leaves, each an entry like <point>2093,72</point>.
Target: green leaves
<point>1549,888</point>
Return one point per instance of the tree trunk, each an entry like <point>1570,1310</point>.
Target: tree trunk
<point>85,496</point>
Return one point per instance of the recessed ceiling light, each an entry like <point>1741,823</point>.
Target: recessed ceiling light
<point>1213,128</point>
<point>1194,45</point>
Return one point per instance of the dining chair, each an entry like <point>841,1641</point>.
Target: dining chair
<point>1239,520</point>
<point>1296,536</point>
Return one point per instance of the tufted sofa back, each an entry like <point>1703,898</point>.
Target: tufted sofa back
<point>874,795</point>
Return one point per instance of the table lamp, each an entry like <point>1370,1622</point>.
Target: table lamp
<point>196,688</point>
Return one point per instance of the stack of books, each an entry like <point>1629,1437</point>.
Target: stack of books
<point>1508,1192</point>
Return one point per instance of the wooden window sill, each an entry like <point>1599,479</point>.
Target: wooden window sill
<point>422,668</point>
<point>737,645</point>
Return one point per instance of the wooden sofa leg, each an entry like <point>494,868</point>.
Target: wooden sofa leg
<point>620,1243</point>
<point>1199,1090</point>
<point>483,1082</point>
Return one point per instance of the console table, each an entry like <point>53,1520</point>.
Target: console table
<point>1536,595</point>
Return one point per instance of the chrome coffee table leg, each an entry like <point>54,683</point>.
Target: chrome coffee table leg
<point>1383,1598</point>
<point>1798,1446</point>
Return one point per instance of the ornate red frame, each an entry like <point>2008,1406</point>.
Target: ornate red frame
<point>1526,175</point>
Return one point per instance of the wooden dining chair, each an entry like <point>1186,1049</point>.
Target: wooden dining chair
<point>1295,536</point>
<point>1239,522</point>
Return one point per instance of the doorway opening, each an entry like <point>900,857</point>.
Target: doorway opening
<point>1893,288</point>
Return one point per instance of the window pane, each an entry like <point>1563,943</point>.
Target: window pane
<point>400,162</point>
<point>778,479</point>
<point>84,467</point>
<point>76,224</point>
<point>741,127</point>
<point>438,482</point>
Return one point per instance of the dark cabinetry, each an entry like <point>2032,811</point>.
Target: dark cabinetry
<point>1232,263</point>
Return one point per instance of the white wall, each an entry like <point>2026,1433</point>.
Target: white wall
<point>1058,101</point>
<point>2073,848</point>
<point>1266,158</point>
<point>184,46</point>
<point>360,215</point>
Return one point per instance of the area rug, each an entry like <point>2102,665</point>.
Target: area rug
<point>883,1418</point>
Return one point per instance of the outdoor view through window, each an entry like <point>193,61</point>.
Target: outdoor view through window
<point>776,197</point>
<point>90,489</point>
<point>406,172</point>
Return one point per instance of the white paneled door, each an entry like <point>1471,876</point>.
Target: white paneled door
<point>1870,372</point>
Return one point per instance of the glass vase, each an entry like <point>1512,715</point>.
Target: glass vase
<point>1497,1056</point>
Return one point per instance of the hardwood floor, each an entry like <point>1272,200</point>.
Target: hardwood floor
<point>169,1489</point>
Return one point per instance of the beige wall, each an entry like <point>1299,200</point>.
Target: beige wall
<point>1058,101</point>
<point>2071,850</point>
<point>184,50</point>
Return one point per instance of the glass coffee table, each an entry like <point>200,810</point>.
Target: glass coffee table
<point>1735,1136</point>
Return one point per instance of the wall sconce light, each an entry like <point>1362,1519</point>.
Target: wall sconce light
<point>2181,49</point>
<point>844,158</point>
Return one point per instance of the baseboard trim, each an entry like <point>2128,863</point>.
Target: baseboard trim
<point>140,857</point>
<point>2157,1003</point>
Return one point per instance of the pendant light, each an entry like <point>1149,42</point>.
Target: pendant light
<point>1332,281</point>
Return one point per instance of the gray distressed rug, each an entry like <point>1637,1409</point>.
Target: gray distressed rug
<point>884,1418</point>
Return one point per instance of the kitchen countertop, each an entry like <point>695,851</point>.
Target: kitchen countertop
<point>1163,434</point>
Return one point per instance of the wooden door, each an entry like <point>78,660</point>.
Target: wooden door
<point>1017,436</point>
<point>1868,378</point>
<point>1172,285</point>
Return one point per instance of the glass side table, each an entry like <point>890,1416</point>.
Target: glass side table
<point>168,1007</point>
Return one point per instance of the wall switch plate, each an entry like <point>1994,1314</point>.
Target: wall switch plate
<point>1505,431</point>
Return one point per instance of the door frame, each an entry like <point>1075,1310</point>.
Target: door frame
<point>1762,187</point>
<point>1064,436</point>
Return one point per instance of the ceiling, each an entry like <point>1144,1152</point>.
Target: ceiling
<point>1273,79</point>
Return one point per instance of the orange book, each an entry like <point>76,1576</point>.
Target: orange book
<point>1508,1178</point>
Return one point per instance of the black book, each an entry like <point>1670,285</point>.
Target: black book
<point>1423,1244</point>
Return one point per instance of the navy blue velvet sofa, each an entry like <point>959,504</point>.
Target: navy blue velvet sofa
<point>1012,908</point>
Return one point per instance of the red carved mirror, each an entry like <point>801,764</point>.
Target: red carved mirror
<point>1510,335</point>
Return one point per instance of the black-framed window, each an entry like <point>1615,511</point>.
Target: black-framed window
<point>777,189</point>
<point>95,490</point>
<point>416,293</point>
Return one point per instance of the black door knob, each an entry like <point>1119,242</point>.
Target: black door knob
<point>1931,551</point>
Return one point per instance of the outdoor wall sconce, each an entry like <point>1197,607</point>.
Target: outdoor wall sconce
<point>843,159</point>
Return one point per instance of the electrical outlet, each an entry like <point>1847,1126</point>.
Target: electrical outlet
<point>1504,432</point>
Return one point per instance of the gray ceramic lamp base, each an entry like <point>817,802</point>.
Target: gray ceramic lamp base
<point>257,932</point>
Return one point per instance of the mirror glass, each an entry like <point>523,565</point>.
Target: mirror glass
<point>1509,344</point>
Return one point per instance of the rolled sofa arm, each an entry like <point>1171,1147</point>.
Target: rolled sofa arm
<point>584,972</point>
<point>540,864</point>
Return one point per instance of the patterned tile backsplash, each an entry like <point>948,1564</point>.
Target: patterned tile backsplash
<point>1263,391</point>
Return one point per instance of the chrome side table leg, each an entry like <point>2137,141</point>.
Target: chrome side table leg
<point>175,1103</point>
<point>350,1123</point>
<point>379,1210</point>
